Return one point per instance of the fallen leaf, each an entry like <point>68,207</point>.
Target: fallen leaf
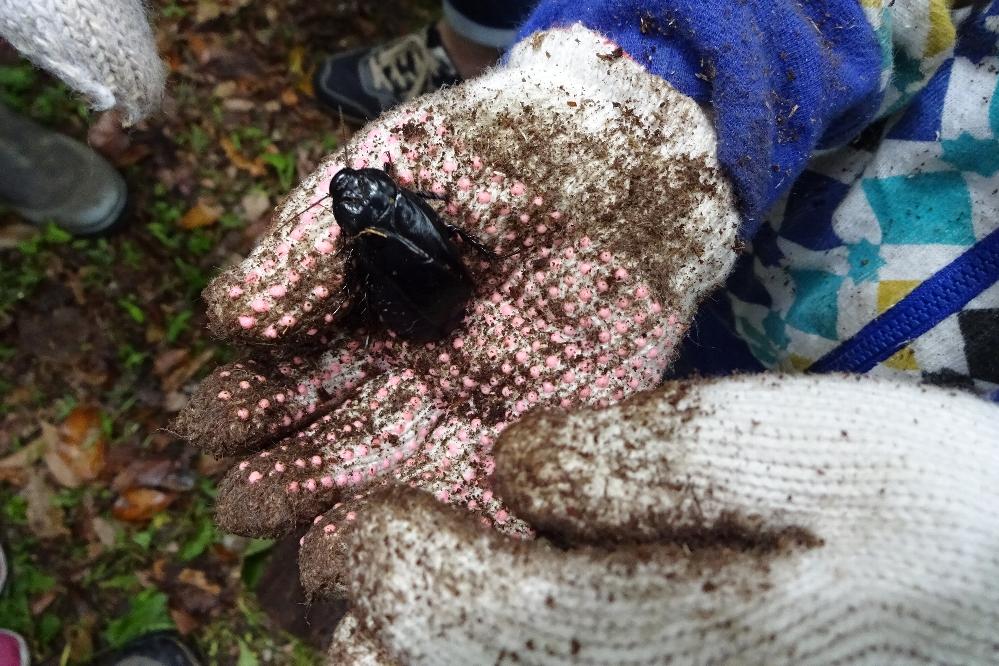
<point>226,555</point>
<point>104,531</point>
<point>186,623</point>
<point>289,97</point>
<point>254,204</point>
<point>202,214</point>
<point>296,61</point>
<point>240,161</point>
<point>79,642</point>
<point>198,595</point>
<point>134,154</point>
<point>197,578</point>
<point>201,48</point>
<point>137,505</point>
<point>174,61</point>
<point>158,473</point>
<point>107,135</point>
<point>61,471</point>
<point>78,454</point>
<point>225,89</point>
<point>12,235</point>
<point>159,569</point>
<point>14,466</point>
<point>181,374</point>
<point>239,104</point>
<point>168,360</point>
<point>305,86</point>
<point>207,10</point>
<point>209,465</point>
<point>39,605</point>
<point>45,519</point>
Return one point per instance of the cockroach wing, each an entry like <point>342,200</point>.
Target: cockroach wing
<point>413,292</point>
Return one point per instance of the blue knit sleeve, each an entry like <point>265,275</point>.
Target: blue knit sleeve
<point>784,77</point>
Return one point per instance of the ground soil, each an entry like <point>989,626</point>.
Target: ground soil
<point>105,515</point>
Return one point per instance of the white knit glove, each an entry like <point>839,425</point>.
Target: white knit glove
<point>103,49</point>
<point>760,519</point>
<point>596,182</point>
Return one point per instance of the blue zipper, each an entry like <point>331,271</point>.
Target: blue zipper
<point>943,294</point>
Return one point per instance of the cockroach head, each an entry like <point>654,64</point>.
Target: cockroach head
<point>361,197</point>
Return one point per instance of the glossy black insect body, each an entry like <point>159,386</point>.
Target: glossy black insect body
<point>402,257</point>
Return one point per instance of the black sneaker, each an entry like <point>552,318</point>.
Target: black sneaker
<point>363,83</point>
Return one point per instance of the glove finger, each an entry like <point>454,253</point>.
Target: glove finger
<point>730,453</point>
<point>242,406</point>
<point>454,466</point>
<point>353,647</point>
<point>435,588</point>
<point>291,285</point>
<point>372,434</point>
<point>323,550</point>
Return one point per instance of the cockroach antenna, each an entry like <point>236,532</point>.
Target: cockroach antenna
<point>343,135</point>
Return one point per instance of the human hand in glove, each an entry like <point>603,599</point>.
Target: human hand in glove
<point>103,49</point>
<point>758,519</point>
<point>596,184</point>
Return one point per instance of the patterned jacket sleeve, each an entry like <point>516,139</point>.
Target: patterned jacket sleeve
<point>784,77</point>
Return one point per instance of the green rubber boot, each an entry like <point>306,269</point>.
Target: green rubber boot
<point>48,177</point>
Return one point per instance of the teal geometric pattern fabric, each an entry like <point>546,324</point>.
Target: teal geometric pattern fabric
<point>868,222</point>
<point>921,209</point>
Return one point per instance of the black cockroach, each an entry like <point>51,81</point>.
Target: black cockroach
<point>402,254</point>
<point>401,257</point>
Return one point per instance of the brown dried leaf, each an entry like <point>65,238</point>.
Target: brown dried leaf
<point>61,471</point>
<point>104,531</point>
<point>204,46</point>
<point>168,360</point>
<point>209,465</point>
<point>39,605</point>
<point>240,161</point>
<point>181,374</point>
<point>207,10</point>
<point>160,473</point>
<point>14,467</point>
<point>239,105</point>
<point>186,623</point>
<point>12,235</point>
<point>202,214</point>
<point>137,505</point>
<point>107,135</point>
<point>79,453</point>
<point>134,154</point>
<point>45,519</point>
<point>225,89</point>
<point>197,578</point>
